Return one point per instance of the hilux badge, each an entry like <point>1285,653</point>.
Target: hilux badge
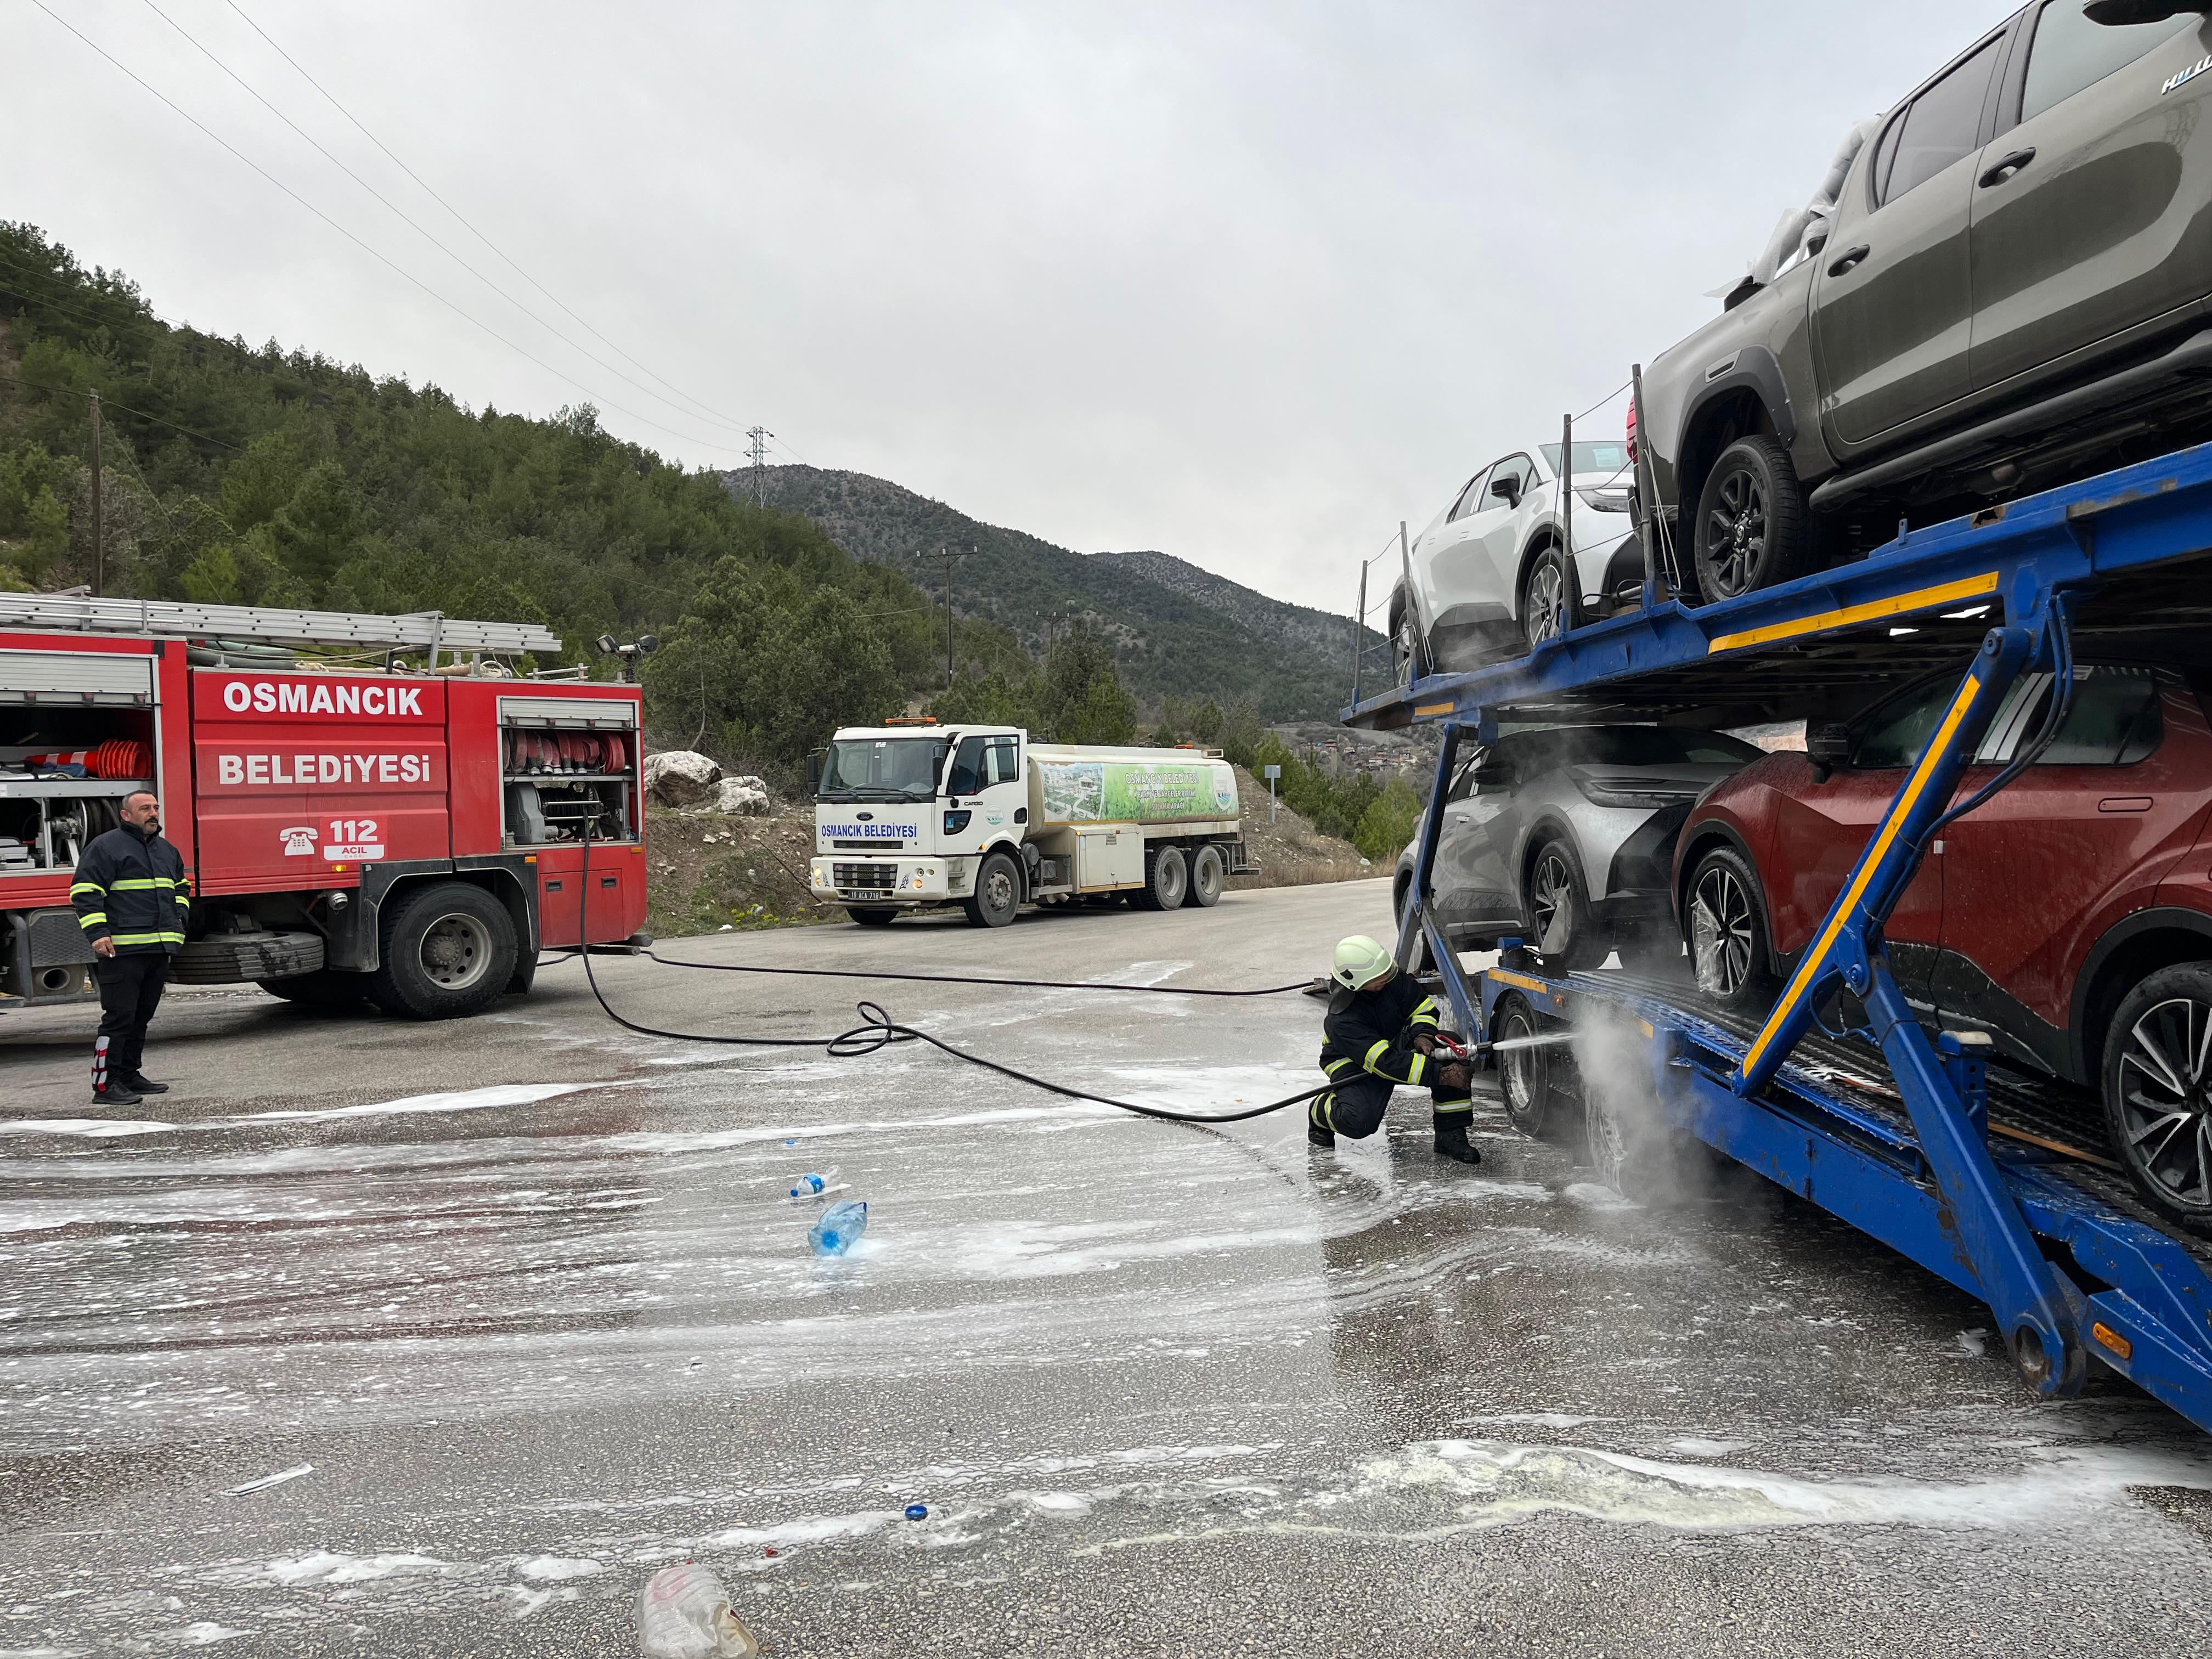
<point>2181,78</point>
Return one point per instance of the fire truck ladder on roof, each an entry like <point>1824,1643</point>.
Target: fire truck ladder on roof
<point>425,630</point>
<point>2072,1264</point>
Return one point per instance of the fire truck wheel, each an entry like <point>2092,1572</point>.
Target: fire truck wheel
<point>1166,877</point>
<point>998,893</point>
<point>447,951</point>
<point>1206,875</point>
<point>325,987</point>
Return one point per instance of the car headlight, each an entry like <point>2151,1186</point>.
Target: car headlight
<point>1632,792</point>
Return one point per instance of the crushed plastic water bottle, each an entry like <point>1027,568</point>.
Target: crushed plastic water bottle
<point>812,1184</point>
<point>839,1227</point>
<point>682,1613</point>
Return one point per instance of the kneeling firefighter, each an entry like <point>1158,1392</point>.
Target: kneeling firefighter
<point>1380,1031</point>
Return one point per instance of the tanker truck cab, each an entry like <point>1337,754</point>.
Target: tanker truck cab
<point>914,816</point>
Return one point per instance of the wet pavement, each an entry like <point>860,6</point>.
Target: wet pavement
<point>526,1294</point>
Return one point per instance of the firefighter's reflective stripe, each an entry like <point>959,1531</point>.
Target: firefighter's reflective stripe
<point>1443,1108</point>
<point>1324,1112</point>
<point>92,918</point>
<point>86,887</point>
<point>1426,1012</point>
<point>142,883</point>
<point>164,937</point>
<point>1333,1066</point>
<point>1378,1051</point>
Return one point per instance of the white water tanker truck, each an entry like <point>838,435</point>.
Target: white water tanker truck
<point>915,814</point>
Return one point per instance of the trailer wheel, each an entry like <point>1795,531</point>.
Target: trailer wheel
<point>326,988</point>
<point>1166,877</point>
<point>2157,1075</point>
<point>1558,906</point>
<point>873,915</point>
<point>998,893</point>
<point>1524,1075</point>
<point>447,951</point>
<point>1206,876</point>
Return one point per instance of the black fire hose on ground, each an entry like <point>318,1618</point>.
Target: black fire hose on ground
<point>877,1029</point>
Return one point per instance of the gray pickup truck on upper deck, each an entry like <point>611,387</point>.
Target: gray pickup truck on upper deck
<point>2010,288</point>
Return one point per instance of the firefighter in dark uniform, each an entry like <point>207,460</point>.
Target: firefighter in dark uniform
<point>1380,1031</point>
<point>132,899</point>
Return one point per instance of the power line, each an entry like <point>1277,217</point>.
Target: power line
<point>404,218</point>
<point>381,257</point>
<point>330,98</point>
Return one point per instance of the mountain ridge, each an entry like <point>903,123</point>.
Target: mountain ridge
<point>1178,630</point>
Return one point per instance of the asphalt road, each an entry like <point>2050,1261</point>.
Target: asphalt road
<point>526,1293</point>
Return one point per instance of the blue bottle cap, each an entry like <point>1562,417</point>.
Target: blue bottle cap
<point>917,1511</point>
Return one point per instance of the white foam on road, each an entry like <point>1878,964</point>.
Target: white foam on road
<point>334,1567</point>
<point>452,1100</point>
<point>91,1128</point>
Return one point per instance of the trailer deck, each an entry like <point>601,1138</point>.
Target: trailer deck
<point>2003,1183</point>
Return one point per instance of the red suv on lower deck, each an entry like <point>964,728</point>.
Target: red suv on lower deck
<point>2069,916</point>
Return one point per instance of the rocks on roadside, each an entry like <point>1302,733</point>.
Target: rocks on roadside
<point>748,797</point>
<point>681,777</point>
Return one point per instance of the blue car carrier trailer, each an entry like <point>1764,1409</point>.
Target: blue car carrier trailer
<point>1981,1174</point>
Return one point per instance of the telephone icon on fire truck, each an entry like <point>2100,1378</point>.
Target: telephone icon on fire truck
<point>299,842</point>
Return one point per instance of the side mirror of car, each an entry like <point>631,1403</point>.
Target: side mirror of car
<point>1828,745</point>
<point>1507,491</point>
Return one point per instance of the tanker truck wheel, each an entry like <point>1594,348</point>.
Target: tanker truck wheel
<point>1167,876</point>
<point>1206,876</point>
<point>447,951</point>
<point>998,893</point>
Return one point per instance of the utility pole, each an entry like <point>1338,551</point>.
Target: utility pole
<point>760,435</point>
<point>951,556</point>
<point>99,526</point>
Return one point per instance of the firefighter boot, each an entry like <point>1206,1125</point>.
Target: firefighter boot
<point>115,1094</point>
<point>1318,1133</point>
<point>1451,1139</point>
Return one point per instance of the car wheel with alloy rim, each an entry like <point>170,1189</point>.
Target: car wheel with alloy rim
<point>1548,599</point>
<point>1727,930</point>
<point>1752,530</point>
<point>1562,928</point>
<point>2158,1088</point>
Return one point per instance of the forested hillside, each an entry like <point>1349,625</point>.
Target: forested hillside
<point>239,474</point>
<point>1175,631</point>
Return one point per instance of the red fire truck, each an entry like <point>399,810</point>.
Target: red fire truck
<point>406,826</point>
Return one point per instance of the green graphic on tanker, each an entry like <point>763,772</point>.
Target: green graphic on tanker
<point>1117,792</point>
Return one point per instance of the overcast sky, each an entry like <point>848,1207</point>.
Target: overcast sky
<point>1247,284</point>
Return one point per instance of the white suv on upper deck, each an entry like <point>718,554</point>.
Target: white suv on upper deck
<point>1488,578</point>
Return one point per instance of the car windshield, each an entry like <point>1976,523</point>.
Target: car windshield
<point>883,768</point>
<point>1630,745</point>
<point>1593,462</point>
